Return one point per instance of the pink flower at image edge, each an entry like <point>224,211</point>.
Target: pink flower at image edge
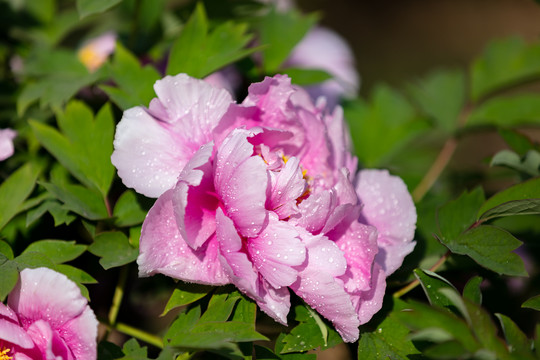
<point>264,195</point>
<point>6,143</point>
<point>46,317</point>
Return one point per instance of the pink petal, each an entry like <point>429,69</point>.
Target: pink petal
<point>369,302</point>
<point>287,186</point>
<point>48,343</point>
<point>13,333</point>
<point>359,244</point>
<point>389,207</point>
<point>340,140</point>
<point>80,334</point>
<point>45,294</point>
<point>147,154</point>
<point>276,251</point>
<point>6,143</point>
<point>273,301</point>
<point>163,250</point>
<point>241,181</point>
<point>193,200</point>
<point>315,210</point>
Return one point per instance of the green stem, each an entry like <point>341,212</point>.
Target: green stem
<point>416,282</point>
<point>118,296</point>
<point>139,334</point>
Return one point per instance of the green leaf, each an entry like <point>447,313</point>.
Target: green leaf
<point>114,249</point>
<point>512,201</point>
<point>432,283</point>
<point>490,247</point>
<point>85,145</point>
<point>198,52</point>
<point>83,201</point>
<point>382,126</point>
<point>306,77</point>
<point>507,111</point>
<point>15,189</point>
<point>135,83</point>
<point>76,274</point>
<point>33,260</point>
<point>532,303</point>
<point>91,7</point>
<point>59,212</point>
<point>517,341</point>
<point>127,210</point>
<point>108,351</point>
<point>307,335</point>
<point>134,351</point>
<point>516,140</point>
<point>245,311</point>
<point>458,215</point>
<point>185,294</point>
<point>529,164</point>
<point>472,292</point>
<point>441,95</point>
<point>280,32</point>
<point>9,277</point>
<point>58,251</point>
<point>219,308</point>
<point>503,63</point>
<point>184,323</point>
<point>5,250</point>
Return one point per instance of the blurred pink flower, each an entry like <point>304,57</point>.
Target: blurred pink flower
<point>264,195</point>
<point>46,317</point>
<point>6,143</point>
<point>96,51</point>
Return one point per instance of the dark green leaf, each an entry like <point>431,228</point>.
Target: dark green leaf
<point>59,212</point>
<point>507,111</point>
<point>458,215</point>
<point>185,294</point>
<point>58,251</point>
<point>33,260</point>
<point>446,350</point>
<point>15,189</point>
<point>516,140</point>
<point>127,210</point>
<point>503,63</point>
<point>441,95</point>
<point>9,277</point>
<point>198,52</point>
<point>280,32</point>
<point>134,351</point>
<point>90,7</point>
<point>219,308</point>
<point>108,351</point>
<point>490,247</point>
<point>80,200</point>
<point>184,323</point>
<point>432,283</point>
<point>114,249</point>
<point>5,250</point>
<point>76,274</point>
<point>472,292</point>
<point>134,82</point>
<point>306,77</point>
<point>517,341</point>
<point>245,311</point>
<point>306,335</point>
<point>532,303</point>
<point>523,191</point>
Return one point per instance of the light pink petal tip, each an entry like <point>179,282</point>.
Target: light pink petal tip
<point>388,206</point>
<point>6,143</point>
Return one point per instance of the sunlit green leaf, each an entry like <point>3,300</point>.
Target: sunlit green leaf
<point>114,249</point>
<point>58,251</point>
<point>507,111</point>
<point>306,77</point>
<point>9,277</point>
<point>306,335</point>
<point>458,215</point>
<point>90,7</point>
<point>532,303</point>
<point>432,283</point>
<point>185,294</point>
<point>5,250</point>
<point>127,210</point>
<point>79,199</point>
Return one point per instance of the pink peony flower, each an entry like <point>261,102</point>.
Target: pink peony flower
<point>46,317</point>
<point>6,143</point>
<point>264,195</point>
<point>97,50</point>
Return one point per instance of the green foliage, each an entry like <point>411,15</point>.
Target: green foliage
<point>185,294</point>
<point>127,210</point>
<point>90,7</point>
<point>114,249</point>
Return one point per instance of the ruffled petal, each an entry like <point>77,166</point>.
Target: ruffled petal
<point>389,207</point>
<point>369,302</point>
<point>193,200</point>
<point>315,210</point>
<point>241,181</point>
<point>287,186</point>
<point>14,334</point>
<point>80,334</point>
<point>147,153</point>
<point>36,297</point>
<point>162,249</point>
<point>47,341</point>
<point>276,251</point>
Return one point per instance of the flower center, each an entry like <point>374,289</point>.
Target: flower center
<point>4,354</point>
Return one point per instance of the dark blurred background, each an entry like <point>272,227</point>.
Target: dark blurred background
<point>398,40</point>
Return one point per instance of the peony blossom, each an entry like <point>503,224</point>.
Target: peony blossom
<point>46,317</point>
<point>264,195</point>
<point>6,143</point>
<point>97,50</point>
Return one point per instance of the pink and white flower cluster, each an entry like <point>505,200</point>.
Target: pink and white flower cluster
<point>264,195</point>
<point>46,317</point>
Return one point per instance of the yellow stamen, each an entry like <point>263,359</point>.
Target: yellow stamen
<point>4,355</point>
<point>91,58</point>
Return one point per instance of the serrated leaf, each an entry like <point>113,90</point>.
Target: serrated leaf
<point>458,215</point>
<point>490,247</point>
<point>432,283</point>
<point>5,250</point>
<point>515,338</point>
<point>91,7</point>
<point>33,260</point>
<point>280,32</point>
<point>306,335</point>
<point>503,63</point>
<point>532,303</point>
<point>185,294</point>
<point>472,292</point>
<point>114,249</point>
<point>127,210</point>
<point>219,308</point>
<point>134,351</point>
<point>108,351</point>
<point>15,189</point>
<point>306,77</point>
<point>184,323</point>
<point>245,311</point>
<point>441,95</point>
<point>135,83</point>
<point>9,277</point>
<point>58,251</point>
<point>507,111</point>
<point>81,200</point>
<point>58,211</point>
<point>199,52</point>
<point>523,191</point>
<point>76,274</point>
